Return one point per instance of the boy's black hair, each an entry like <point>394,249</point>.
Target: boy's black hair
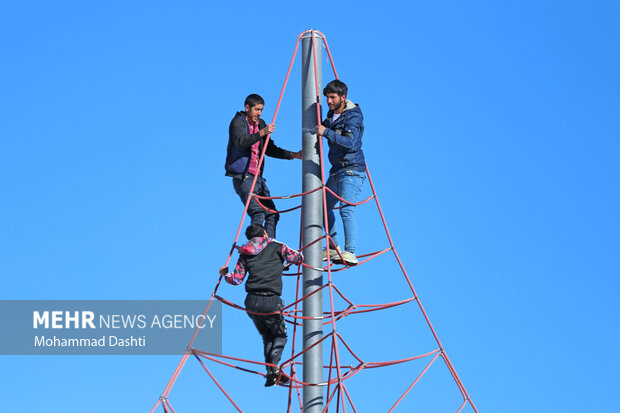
<point>253,100</point>
<point>337,87</point>
<point>255,230</point>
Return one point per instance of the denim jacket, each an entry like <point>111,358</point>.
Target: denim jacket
<point>344,137</point>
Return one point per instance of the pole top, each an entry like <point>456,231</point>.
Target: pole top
<point>306,34</point>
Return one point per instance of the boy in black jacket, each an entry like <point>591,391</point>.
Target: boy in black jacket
<point>246,139</point>
<point>263,257</point>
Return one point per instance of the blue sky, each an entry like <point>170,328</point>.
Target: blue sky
<point>492,136</point>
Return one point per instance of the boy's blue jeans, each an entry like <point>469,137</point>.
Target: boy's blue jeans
<point>348,185</point>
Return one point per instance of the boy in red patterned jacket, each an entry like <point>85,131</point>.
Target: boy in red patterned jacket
<point>262,257</point>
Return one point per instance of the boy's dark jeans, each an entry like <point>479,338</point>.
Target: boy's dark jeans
<point>258,215</point>
<point>271,327</point>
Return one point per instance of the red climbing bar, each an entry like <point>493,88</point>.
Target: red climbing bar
<point>414,382</point>
<point>218,385</point>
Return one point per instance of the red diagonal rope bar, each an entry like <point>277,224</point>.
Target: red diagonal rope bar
<point>156,405</point>
<point>414,383</point>
<point>329,399</point>
<point>346,392</point>
<point>331,60</point>
<point>462,405</point>
<point>329,371</point>
<point>167,402</point>
<point>218,385</point>
<point>344,405</point>
<point>458,382</point>
<point>297,292</point>
<point>312,243</point>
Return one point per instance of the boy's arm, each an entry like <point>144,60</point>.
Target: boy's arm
<point>237,275</point>
<point>276,152</point>
<point>292,256</point>
<point>239,135</point>
<point>350,136</point>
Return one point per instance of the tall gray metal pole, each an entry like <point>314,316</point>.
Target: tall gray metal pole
<point>312,220</point>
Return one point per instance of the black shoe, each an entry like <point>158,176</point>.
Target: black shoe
<point>283,379</point>
<point>271,379</point>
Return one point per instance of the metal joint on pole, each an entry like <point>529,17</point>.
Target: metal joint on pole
<point>312,222</point>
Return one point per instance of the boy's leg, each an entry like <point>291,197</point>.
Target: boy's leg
<point>350,185</point>
<point>271,218</point>
<point>331,200</point>
<point>277,330</point>
<point>271,327</point>
<point>256,304</point>
<point>242,188</point>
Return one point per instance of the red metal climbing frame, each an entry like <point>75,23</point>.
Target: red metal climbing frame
<point>338,374</point>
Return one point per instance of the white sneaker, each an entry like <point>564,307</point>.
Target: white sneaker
<point>333,254</point>
<point>349,258</point>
